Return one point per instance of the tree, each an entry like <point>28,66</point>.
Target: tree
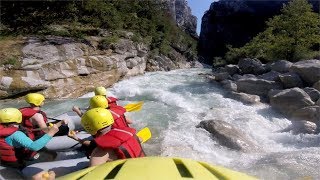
<point>293,35</point>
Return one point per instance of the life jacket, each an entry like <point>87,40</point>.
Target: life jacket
<point>27,113</point>
<point>112,101</point>
<point>123,141</point>
<point>7,152</point>
<point>118,116</point>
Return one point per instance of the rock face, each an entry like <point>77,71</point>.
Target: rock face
<point>65,67</point>
<point>181,13</point>
<point>235,22</point>
<point>228,136</point>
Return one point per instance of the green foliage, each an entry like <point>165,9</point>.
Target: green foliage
<point>148,20</point>
<point>108,41</point>
<point>13,61</point>
<point>293,35</point>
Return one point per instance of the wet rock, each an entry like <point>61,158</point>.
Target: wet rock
<point>317,85</point>
<point>270,76</point>
<point>243,97</point>
<point>231,69</point>
<point>309,113</point>
<point>304,127</point>
<point>228,136</point>
<point>229,85</point>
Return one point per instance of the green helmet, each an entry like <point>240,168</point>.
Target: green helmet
<point>10,115</point>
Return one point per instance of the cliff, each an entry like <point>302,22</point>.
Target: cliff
<point>235,23</point>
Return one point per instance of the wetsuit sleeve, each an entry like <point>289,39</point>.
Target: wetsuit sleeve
<point>19,139</point>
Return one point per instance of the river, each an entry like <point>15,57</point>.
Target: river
<point>176,101</point>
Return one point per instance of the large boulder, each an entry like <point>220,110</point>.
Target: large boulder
<point>281,66</point>
<point>291,80</point>
<point>232,69</point>
<point>289,100</point>
<point>257,86</point>
<point>251,66</point>
<point>317,85</point>
<point>309,113</point>
<point>308,70</point>
<point>229,85</point>
<point>229,136</point>
<point>313,93</point>
<point>270,76</point>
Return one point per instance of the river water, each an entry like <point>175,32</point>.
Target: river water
<point>176,101</point>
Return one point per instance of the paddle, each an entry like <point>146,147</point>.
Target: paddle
<point>134,106</point>
<point>144,134</point>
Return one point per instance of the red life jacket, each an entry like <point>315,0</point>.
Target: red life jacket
<point>27,113</point>
<point>112,101</point>
<point>7,152</point>
<point>118,116</point>
<point>123,141</point>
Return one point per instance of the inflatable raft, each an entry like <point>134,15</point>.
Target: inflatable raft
<point>156,168</point>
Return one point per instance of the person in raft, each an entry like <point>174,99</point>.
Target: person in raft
<point>14,142</point>
<point>112,101</point>
<point>34,118</point>
<point>120,120</point>
<point>109,143</point>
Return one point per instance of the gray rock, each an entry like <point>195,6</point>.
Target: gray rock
<point>221,76</point>
<point>229,85</point>
<point>317,85</point>
<point>308,70</point>
<point>231,69</point>
<point>313,93</point>
<point>270,76</point>
<point>229,136</point>
<point>251,66</point>
<point>245,76</point>
<point>243,97</point>
<point>318,102</point>
<point>257,86</point>
<point>290,80</point>
<point>305,127</point>
<point>289,100</point>
<point>310,113</point>
<point>281,66</point>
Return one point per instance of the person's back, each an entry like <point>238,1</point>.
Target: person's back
<point>111,144</point>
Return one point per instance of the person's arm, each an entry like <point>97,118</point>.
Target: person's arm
<point>77,110</point>
<point>129,121</point>
<point>39,120</point>
<point>100,156</point>
<point>72,135</point>
<point>19,139</point>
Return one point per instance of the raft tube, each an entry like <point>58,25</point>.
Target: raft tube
<point>156,168</point>
<point>62,143</point>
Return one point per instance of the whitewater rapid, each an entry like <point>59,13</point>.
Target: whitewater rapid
<point>176,102</point>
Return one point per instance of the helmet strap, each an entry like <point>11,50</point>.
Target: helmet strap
<point>104,130</point>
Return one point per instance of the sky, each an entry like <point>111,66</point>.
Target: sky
<point>198,7</point>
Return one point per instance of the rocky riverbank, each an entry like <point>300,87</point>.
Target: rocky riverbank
<point>291,88</point>
<point>67,67</point>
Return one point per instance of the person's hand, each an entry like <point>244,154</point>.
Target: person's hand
<point>64,122</point>
<point>44,175</point>
<point>75,109</point>
<point>72,134</point>
<point>53,130</point>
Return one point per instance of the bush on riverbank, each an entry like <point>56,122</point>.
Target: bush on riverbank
<point>293,35</point>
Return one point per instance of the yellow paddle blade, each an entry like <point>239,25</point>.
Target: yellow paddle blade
<point>144,134</point>
<point>134,106</point>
